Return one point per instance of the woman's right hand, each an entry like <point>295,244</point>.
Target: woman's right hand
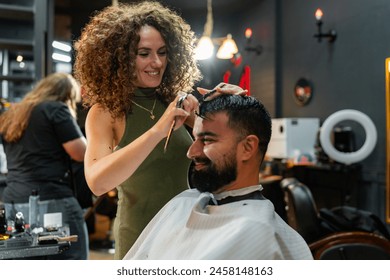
<point>222,88</point>
<point>173,113</point>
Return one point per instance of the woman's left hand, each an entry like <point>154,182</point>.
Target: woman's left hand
<point>222,88</point>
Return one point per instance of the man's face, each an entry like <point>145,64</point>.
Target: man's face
<point>213,154</point>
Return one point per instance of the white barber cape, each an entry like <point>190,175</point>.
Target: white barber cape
<point>187,227</point>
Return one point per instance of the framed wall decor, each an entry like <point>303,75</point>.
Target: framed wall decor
<point>303,92</point>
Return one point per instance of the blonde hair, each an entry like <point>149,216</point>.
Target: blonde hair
<point>55,87</point>
<point>107,48</point>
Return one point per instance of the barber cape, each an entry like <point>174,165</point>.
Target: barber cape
<point>188,227</point>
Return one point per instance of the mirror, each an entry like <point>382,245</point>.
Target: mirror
<point>387,69</point>
<point>303,92</point>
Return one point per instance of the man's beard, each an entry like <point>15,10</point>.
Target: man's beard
<point>210,179</point>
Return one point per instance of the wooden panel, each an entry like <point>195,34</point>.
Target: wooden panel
<point>387,74</point>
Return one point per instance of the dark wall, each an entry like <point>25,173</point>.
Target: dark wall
<point>347,74</point>
<point>260,16</point>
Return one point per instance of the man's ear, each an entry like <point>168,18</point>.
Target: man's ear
<point>250,147</point>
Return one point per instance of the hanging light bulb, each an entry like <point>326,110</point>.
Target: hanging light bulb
<point>228,48</point>
<point>205,47</point>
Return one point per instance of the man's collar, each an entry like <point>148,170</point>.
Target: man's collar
<point>236,195</point>
<point>238,192</point>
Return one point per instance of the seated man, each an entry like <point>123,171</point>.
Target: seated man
<point>226,216</point>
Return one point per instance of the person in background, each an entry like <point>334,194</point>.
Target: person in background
<point>134,62</point>
<point>225,216</point>
<point>40,137</point>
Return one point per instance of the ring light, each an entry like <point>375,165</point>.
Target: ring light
<point>343,157</point>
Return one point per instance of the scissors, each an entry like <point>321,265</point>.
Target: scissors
<point>179,104</point>
<point>210,93</point>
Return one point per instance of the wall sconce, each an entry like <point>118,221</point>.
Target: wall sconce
<point>331,35</point>
<point>205,46</point>
<point>249,48</point>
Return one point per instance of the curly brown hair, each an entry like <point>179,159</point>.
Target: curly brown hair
<point>107,48</point>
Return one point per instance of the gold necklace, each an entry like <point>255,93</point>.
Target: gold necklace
<point>152,116</point>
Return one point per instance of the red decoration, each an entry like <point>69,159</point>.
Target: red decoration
<point>245,80</point>
<point>226,76</point>
<point>236,59</point>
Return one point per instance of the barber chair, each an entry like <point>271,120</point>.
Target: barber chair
<point>355,245</point>
<point>303,216</point>
<point>274,193</point>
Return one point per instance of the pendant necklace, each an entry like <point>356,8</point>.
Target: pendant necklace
<point>151,112</point>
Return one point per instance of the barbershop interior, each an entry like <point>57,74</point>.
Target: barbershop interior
<point>322,70</point>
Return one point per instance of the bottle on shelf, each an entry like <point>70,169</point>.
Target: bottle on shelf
<point>19,222</point>
<point>3,160</point>
<point>33,217</point>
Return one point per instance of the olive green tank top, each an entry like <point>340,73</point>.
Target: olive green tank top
<point>158,179</point>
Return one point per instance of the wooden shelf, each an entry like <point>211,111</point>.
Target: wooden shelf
<point>18,78</point>
<point>16,12</point>
<point>16,44</point>
<point>26,27</point>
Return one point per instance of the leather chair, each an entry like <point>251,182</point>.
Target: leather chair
<point>354,245</point>
<point>303,216</point>
<point>302,213</point>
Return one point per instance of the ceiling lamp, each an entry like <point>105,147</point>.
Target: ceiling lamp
<point>228,48</point>
<point>205,47</point>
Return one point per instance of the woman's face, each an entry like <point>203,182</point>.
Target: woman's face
<point>151,59</point>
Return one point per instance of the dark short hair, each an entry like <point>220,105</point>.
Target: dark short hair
<point>247,116</point>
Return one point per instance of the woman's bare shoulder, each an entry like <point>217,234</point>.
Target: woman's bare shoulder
<point>100,117</point>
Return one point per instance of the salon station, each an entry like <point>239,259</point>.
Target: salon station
<point>321,68</point>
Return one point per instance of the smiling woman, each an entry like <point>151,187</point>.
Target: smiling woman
<point>123,61</point>
<point>151,59</point>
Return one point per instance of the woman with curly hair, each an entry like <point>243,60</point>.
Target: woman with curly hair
<point>134,61</point>
<point>40,135</point>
